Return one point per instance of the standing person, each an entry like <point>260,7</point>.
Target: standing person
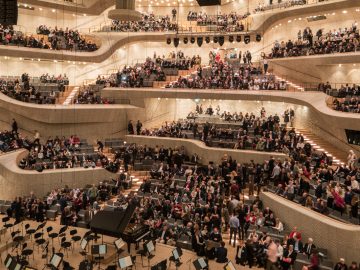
<point>37,137</point>
<point>130,128</point>
<point>249,246</point>
<point>249,57</point>
<point>272,254</point>
<point>100,146</point>
<point>174,12</point>
<point>266,65</point>
<point>206,130</point>
<point>138,127</point>
<point>14,127</point>
<point>195,129</point>
<point>234,227</point>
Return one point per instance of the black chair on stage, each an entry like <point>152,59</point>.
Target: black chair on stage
<point>74,237</point>
<point>7,225</point>
<point>29,231</point>
<point>26,252</point>
<point>17,238</point>
<point>39,239</point>
<point>62,231</point>
<point>65,245</point>
<point>52,235</point>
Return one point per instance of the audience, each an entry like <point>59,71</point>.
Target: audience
<point>66,39</point>
<point>89,96</point>
<point>24,90</point>
<point>57,39</point>
<point>148,23</point>
<point>224,76</point>
<point>280,4</point>
<point>333,41</point>
<point>225,22</point>
<point>61,153</point>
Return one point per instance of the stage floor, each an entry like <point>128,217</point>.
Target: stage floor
<point>38,260</point>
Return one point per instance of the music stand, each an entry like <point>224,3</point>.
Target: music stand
<point>125,262</point>
<point>149,248</point>
<point>55,261</point>
<point>8,261</point>
<point>99,250</point>
<point>147,252</point>
<point>229,266</point>
<point>17,266</point>
<point>200,264</point>
<point>160,266</point>
<point>119,243</point>
<point>176,256</point>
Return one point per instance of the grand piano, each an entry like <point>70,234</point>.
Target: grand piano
<point>117,224</point>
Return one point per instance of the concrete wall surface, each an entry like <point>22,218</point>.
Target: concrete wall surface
<point>206,154</point>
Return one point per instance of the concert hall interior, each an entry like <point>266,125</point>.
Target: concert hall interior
<point>179,134</point>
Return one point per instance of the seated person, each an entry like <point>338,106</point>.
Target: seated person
<point>221,253</point>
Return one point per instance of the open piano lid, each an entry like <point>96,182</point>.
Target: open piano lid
<point>112,223</point>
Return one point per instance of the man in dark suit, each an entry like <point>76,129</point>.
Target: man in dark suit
<point>297,244</point>
<point>309,247</point>
<point>221,253</point>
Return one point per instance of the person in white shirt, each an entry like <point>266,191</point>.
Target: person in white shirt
<point>280,249</point>
<point>351,158</point>
<point>354,184</point>
<point>279,227</point>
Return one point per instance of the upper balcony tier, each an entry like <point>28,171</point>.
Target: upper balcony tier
<point>111,41</point>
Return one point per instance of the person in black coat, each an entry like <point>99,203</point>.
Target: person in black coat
<point>240,257</point>
<point>138,127</point>
<point>249,248</point>
<point>14,127</point>
<point>130,128</point>
<point>289,258</point>
<point>221,253</point>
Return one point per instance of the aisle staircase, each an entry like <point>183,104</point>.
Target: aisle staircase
<point>63,96</point>
<point>173,78</point>
<point>339,156</point>
<point>69,99</point>
<point>291,86</point>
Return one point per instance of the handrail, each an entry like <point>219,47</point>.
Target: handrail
<point>297,71</point>
<point>289,4</point>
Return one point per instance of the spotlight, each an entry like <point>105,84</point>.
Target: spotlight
<point>176,42</point>
<point>168,41</point>
<point>192,40</point>
<point>200,41</point>
<point>247,39</point>
<point>258,38</point>
<point>221,40</point>
<point>238,38</point>
<point>216,39</point>
<point>207,39</point>
<point>186,40</point>
<point>231,39</point>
